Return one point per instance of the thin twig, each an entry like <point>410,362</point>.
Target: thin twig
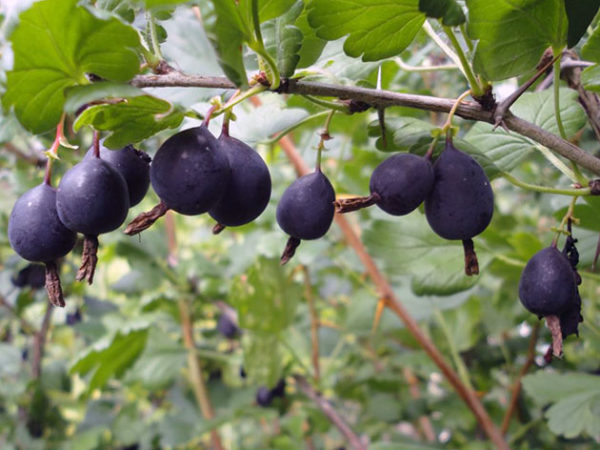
<point>377,98</point>
<point>314,324</point>
<point>424,422</point>
<point>331,413</point>
<point>516,387</point>
<point>39,342</point>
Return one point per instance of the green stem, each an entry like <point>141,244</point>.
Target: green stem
<point>523,431</point>
<point>473,82</point>
<point>341,107</point>
<point>256,21</point>
<point>409,68</point>
<point>239,99</point>
<point>154,37</point>
<point>324,137</point>
<point>458,362</point>
<point>559,123</point>
<point>564,220</point>
<point>259,47</point>
<point>463,31</point>
<point>544,189</point>
<point>295,356</point>
<point>293,127</point>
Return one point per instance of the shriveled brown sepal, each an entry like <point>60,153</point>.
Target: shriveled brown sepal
<point>218,228</point>
<point>146,219</point>
<point>89,259</point>
<point>471,263</point>
<point>345,205</point>
<point>53,287</point>
<point>553,324</point>
<point>289,250</point>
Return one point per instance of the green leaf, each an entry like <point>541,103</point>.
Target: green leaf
<point>262,358</point>
<point>312,45</point>
<point>160,363</point>
<point>269,9</point>
<point>513,34</point>
<point>407,133</point>
<point>448,10</point>
<point>591,49</point>
<point>376,29</point>
<point>434,265</point>
<point>130,121</point>
<point>265,298</point>
<point>575,399</point>
<point>111,358</point>
<point>284,40</point>
<point>508,150</point>
<point>590,78</point>
<point>55,45</point>
<point>81,95</point>
<point>580,14</point>
<point>227,32</point>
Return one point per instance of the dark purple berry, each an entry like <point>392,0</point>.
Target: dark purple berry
<point>279,389</point>
<point>264,396</point>
<point>461,203</point>
<point>35,231</point>
<point>190,172</point>
<point>306,209</point>
<point>249,189</point>
<point>547,286</point>
<point>32,275</point>
<point>134,167</point>
<point>401,183</point>
<point>227,327</point>
<point>92,198</point>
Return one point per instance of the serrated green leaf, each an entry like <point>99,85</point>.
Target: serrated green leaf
<point>130,121</point>
<point>312,45</point>
<point>55,45</point>
<point>78,96</point>
<point>406,133</point>
<point>448,10</point>
<point>269,9</point>
<point>227,32</point>
<point>264,297</point>
<point>508,150</point>
<point>575,399</point>
<point>111,358</point>
<point>376,29</point>
<point>580,16</point>
<point>262,358</point>
<point>284,40</point>
<point>514,34</point>
<point>410,247</point>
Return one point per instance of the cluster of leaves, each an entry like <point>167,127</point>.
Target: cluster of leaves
<point>120,376</point>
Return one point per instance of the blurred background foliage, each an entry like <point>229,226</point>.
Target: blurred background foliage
<point>118,371</point>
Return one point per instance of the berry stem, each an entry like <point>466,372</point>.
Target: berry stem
<point>564,221</point>
<point>52,152</point>
<point>431,148</point>
<point>146,219</point>
<point>96,143</point>
<point>218,228</point>
<point>53,286</point>
<point>89,259</point>
<point>467,70</point>
<point>447,127</point>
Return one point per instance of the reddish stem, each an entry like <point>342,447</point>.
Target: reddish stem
<point>96,144</point>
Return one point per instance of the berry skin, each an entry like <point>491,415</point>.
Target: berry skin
<point>249,189</point>
<point>264,396</point>
<point>548,286</point>
<point>35,231</point>
<point>306,208</point>
<point>461,203</point>
<point>134,167</point>
<point>401,182</point>
<point>227,327</point>
<point>190,172</point>
<point>32,275</point>
<point>92,198</point>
